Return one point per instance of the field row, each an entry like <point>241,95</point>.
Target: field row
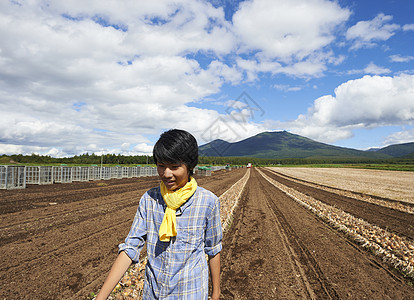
<point>396,185</point>
<point>395,249</point>
<point>282,245</point>
<point>407,207</point>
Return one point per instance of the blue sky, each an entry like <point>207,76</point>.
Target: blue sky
<point>109,76</point>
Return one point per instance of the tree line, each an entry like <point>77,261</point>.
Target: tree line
<point>118,159</point>
<point>90,159</point>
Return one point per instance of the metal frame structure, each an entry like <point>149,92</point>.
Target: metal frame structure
<point>62,174</point>
<point>12,177</point>
<point>39,175</point>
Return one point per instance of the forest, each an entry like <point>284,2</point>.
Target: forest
<point>118,159</point>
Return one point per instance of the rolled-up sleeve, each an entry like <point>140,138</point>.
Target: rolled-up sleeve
<point>213,232</point>
<point>137,235</point>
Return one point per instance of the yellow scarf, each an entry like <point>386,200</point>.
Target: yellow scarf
<point>174,199</point>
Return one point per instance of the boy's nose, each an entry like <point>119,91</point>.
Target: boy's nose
<point>167,172</point>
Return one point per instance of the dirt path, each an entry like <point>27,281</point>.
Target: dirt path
<point>59,241</point>
<point>276,249</point>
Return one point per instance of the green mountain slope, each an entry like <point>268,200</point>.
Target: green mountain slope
<point>408,156</point>
<point>397,150</point>
<point>281,144</point>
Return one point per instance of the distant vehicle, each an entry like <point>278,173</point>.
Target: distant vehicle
<point>249,165</point>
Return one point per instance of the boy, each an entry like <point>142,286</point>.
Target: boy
<point>180,222</point>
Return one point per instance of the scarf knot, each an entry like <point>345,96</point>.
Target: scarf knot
<point>174,199</point>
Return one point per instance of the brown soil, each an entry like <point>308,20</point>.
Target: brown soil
<point>59,241</point>
<point>397,185</point>
<point>276,249</point>
<point>384,217</point>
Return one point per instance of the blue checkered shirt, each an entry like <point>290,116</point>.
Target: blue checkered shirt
<point>176,269</point>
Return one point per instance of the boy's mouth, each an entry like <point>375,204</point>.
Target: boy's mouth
<point>169,183</point>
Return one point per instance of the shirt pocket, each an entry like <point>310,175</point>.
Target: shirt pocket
<point>189,238</point>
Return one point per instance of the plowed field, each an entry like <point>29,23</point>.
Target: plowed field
<point>59,241</point>
<point>277,249</point>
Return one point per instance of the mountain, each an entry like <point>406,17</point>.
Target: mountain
<point>373,149</point>
<point>408,156</point>
<point>282,144</point>
<point>397,150</point>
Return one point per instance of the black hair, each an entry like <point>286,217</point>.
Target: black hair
<point>176,146</point>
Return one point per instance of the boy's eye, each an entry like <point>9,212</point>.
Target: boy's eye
<point>172,167</point>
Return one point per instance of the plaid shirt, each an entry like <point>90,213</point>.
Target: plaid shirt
<point>176,269</point>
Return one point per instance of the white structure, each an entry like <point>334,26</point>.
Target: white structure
<point>80,173</point>
<point>12,177</point>
<point>106,173</point>
<point>39,175</point>
<point>62,174</point>
<point>94,173</point>
<point>134,172</point>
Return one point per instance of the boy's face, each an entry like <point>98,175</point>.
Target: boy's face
<point>174,175</point>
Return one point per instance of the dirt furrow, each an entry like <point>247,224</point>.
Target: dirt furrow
<point>24,230</point>
<point>37,196</point>
<point>63,239</point>
<point>68,248</point>
<point>258,261</point>
<point>255,266</point>
<point>15,226</point>
<point>393,220</point>
<point>384,201</point>
<point>64,268</point>
<point>321,285</point>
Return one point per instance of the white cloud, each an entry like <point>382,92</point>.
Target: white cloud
<point>77,76</point>
<point>287,37</point>
<point>312,66</point>
<point>10,149</point>
<point>369,102</point>
<point>287,88</point>
<point>376,70</point>
<point>287,29</point>
<point>143,149</point>
<point>368,33</point>
<point>408,27</point>
<point>405,136</point>
<point>400,58</point>
<point>54,152</point>
<point>161,27</point>
<point>238,105</point>
<point>371,68</point>
<point>231,128</point>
